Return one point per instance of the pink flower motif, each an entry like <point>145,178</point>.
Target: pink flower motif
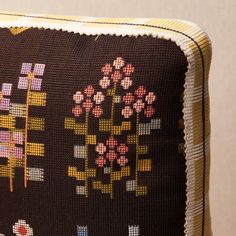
<point>122,149</point>
<point>127,112</point>
<point>111,143</point>
<point>101,148</point>
<point>140,92</point>
<point>98,97</point>
<point>111,155</point>
<point>116,76</point>
<point>77,110</point>
<point>128,69</point>
<point>128,98</point>
<point>138,105</point>
<point>97,111</point>
<point>100,161</point>
<point>116,72</point>
<point>104,82</point>
<point>89,90</point>
<point>122,161</point>
<point>126,83</point>
<point>138,102</point>
<point>118,63</point>
<point>78,97</point>
<point>149,111</point>
<point>150,98</point>
<point>88,104</point>
<point>111,151</point>
<point>21,228</point>
<point>88,99</point>
<point>106,69</point>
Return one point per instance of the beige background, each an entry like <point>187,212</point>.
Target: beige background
<point>218,18</point>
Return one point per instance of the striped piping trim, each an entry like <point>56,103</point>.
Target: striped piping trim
<point>190,38</point>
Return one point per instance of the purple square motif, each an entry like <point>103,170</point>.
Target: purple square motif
<point>18,138</point>
<point>5,104</point>
<point>23,83</point>
<point>6,89</point>
<point>4,151</point>
<point>39,69</point>
<point>4,136</point>
<point>36,84</point>
<point>18,152</point>
<point>26,68</point>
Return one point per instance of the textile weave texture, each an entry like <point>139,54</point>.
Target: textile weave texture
<point>104,127</point>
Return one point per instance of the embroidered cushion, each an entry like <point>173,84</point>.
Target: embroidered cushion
<point>104,127</point>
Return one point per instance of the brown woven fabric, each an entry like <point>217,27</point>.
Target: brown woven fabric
<point>91,138</point>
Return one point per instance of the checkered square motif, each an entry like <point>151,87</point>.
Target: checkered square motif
<point>5,104</point>
<point>4,136</point>
<point>79,151</point>
<point>134,230</point>
<point>6,89</point>
<point>23,83</point>
<point>36,84</point>
<point>18,152</point>
<point>26,68</point>
<point>39,69</point>
<point>18,137</point>
<point>4,151</point>
<point>82,231</point>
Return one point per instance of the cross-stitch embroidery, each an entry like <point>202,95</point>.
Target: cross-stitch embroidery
<point>82,231</point>
<point>112,154</point>
<point>133,230</point>
<point>15,145</point>
<point>21,228</point>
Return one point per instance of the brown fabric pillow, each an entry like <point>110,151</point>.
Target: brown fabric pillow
<point>104,127</point>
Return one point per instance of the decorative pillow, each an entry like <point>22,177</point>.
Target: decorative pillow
<point>104,127</point>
